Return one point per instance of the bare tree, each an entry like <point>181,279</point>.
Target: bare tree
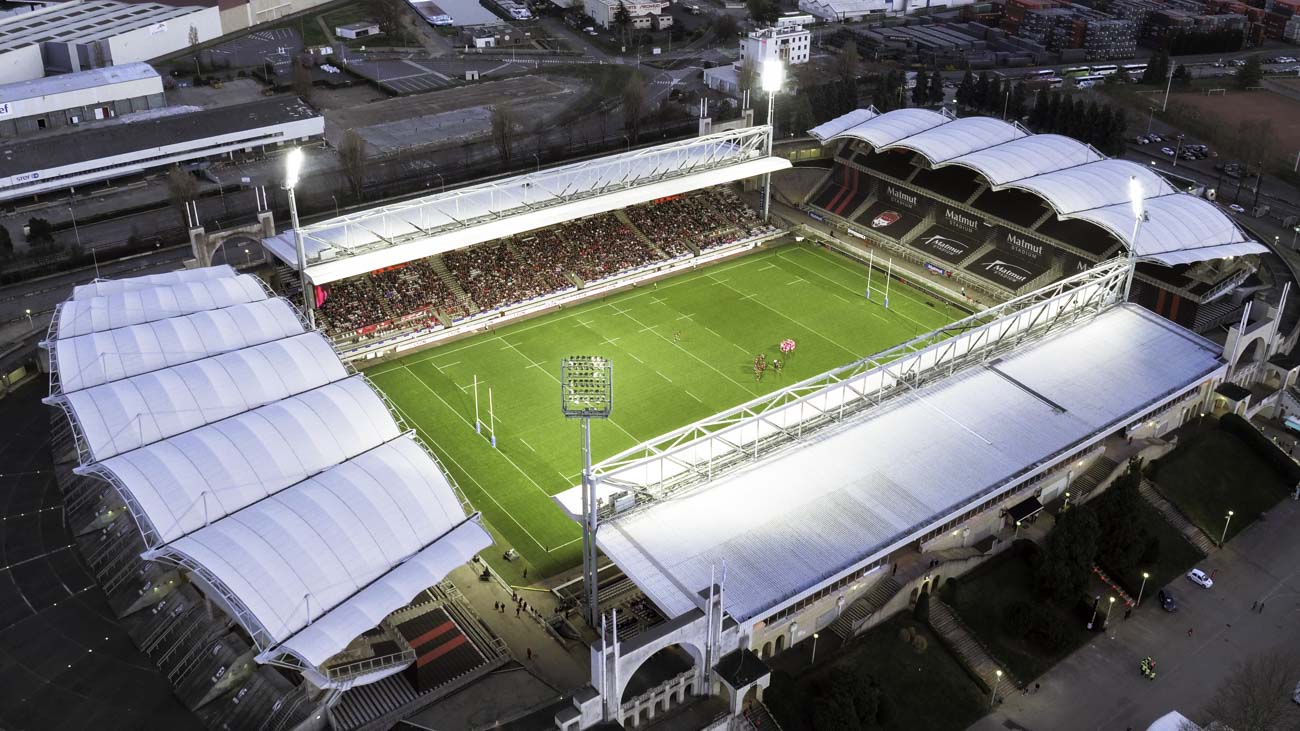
<point>633,105</point>
<point>503,132</point>
<point>352,155</point>
<point>1257,694</point>
<point>846,63</point>
<point>181,189</point>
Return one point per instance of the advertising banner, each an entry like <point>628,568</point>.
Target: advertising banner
<point>1005,269</point>
<point>945,244</point>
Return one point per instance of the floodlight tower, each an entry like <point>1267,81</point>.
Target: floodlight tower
<point>292,169</point>
<point>586,393</point>
<point>773,77</point>
<point>1137,201</point>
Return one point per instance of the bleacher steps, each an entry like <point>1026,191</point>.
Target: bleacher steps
<point>1097,472</point>
<point>760,718</point>
<point>979,191</point>
<point>1048,215</point>
<point>622,217</point>
<point>453,284</point>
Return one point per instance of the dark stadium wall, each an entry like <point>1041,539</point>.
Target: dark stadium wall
<point>1164,303</point>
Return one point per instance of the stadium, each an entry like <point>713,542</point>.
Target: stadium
<point>944,322</point>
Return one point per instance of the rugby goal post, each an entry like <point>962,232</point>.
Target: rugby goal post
<point>1215,92</point>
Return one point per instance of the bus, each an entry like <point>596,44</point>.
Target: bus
<point>1104,70</point>
<point>1083,82</point>
<point>1039,74</point>
<point>1043,82</point>
<point>1076,71</point>
<point>1135,70</point>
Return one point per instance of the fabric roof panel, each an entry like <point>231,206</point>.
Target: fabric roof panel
<point>1093,185</point>
<point>1027,156</point>
<point>124,415</point>
<point>959,137</point>
<point>835,127</point>
<point>135,307</point>
<point>106,287</point>
<point>883,130</point>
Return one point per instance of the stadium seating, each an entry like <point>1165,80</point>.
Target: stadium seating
<point>442,651</point>
<point>540,263</point>
<point>845,189</point>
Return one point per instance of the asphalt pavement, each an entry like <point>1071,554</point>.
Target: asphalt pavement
<point>1100,685</point>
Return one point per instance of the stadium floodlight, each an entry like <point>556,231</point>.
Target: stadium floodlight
<point>772,78</point>
<point>1135,195</point>
<point>292,174</point>
<point>773,75</point>
<point>586,393</point>
<point>1137,200</point>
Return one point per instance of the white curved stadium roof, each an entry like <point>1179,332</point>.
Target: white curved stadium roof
<point>291,555</point>
<point>1094,185</point>
<point>181,483</point>
<point>1073,178</point>
<point>250,456</point>
<point>958,137</point>
<point>105,287</point>
<point>137,306</point>
<point>110,355</point>
<point>123,415</point>
<point>1028,156</point>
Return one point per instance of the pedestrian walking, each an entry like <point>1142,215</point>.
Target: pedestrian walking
<point>1189,631</point>
<point>517,614</point>
<point>1261,607</point>
<point>1037,687</point>
<point>1213,573</point>
<point>530,653</point>
<point>525,572</point>
<point>1128,613</point>
<point>1254,604</point>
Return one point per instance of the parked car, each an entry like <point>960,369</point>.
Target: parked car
<point>1155,137</point>
<point>1200,578</point>
<point>1167,600</point>
<point>1141,140</point>
<point>1236,208</point>
<point>1168,151</point>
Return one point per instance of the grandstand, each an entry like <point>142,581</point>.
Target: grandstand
<point>1002,211</point>
<point>422,271</point>
<point>251,505</point>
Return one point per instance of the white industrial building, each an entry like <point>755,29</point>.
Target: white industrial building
<point>646,14</point>
<point>853,10</point>
<point>97,33</point>
<point>31,167</point>
<point>788,41</point>
<point>68,100</point>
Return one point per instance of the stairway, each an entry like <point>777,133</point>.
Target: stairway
<point>453,284</point>
<point>759,718</point>
<point>1047,216</point>
<point>1176,518</point>
<point>1097,472</point>
<point>864,606</point>
<point>622,217</point>
<point>970,651</point>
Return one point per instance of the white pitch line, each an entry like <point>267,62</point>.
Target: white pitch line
<point>526,444</point>
<point>633,357</point>
<point>697,398</point>
<point>666,378</point>
<point>445,365</point>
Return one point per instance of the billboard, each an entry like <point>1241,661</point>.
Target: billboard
<point>901,197</point>
<point>888,219</point>
<point>1025,247</point>
<point>956,220</point>
<point>1007,270</point>
<point>945,244</point>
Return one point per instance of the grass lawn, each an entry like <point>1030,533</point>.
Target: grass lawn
<point>1213,472</point>
<point>1176,557</point>
<point>928,690</point>
<point>682,350</point>
<point>981,598</point>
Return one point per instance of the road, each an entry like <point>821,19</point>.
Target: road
<point>1100,687</point>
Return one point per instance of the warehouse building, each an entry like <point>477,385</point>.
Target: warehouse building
<point>30,167</point>
<point>646,14</point>
<point>788,41</point>
<point>94,34</point>
<point>68,100</point>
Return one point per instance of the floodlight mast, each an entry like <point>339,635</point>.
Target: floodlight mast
<point>586,393</point>
<point>1137,200</point>
<point>292,171</point>
<point>773,76</point>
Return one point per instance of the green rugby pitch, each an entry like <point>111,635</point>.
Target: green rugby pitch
<point>682,350</point>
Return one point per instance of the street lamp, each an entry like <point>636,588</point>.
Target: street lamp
<point>29,319</point>
<point>1109,606</point>
<point>813,661</point>
<point>77,234</point>
<point>1296,232</point>
<point>1142,588</point>
<point>773,77</point>
<point>993,698</point>
<point>586,393</point>
<point>1137,201</point>
<point>1226,521</point>
<point>292,170</point>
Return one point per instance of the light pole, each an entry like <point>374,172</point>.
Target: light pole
<point>1142,588</point>
<point>336,204</point>
<point>773,76</point>
<point>586,393</point>
<point>1095,601</point>
<point>1295,233</point>
<point>1168,85</point>
<point>1227,519</point>
<point>813,661</point>
<point>1066,504</point>
<point>30,322</point>
<point>1136,200</point>
<point>538,160</point>
<point>77,234</point>
<point>993,697</point>
<point>292,169</point>
<point>1109,606</point>
<point>1151,113</point>
<point>442,183</point>
<point>248,259</point>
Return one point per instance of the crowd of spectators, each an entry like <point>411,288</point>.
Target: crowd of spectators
<point>539,263</point>
<point>493,275</point>
<point>381,298</point>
